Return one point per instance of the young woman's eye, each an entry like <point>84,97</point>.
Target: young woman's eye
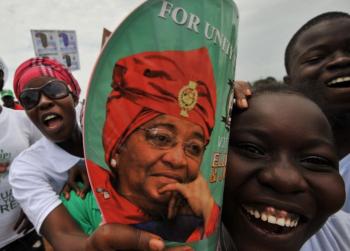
<point>317,163</point>
<point>250,150</point>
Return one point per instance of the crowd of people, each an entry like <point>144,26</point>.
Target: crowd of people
<point>287,183</point>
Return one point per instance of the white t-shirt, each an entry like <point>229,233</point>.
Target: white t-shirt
<point>37,175</point>
<point>333,236</point>
<point>16,134</point>
<point>344,169</point>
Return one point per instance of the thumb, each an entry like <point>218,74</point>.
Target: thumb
<point>148,241</point>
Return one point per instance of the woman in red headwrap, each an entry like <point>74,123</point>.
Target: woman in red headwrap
<point>49,93</point>
<point>154,150</point>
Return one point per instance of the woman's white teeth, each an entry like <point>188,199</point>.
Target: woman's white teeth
<point>271,219</point>
<point>287,220</point>
<point>256,214</point>
<point>281,222</point>
<point>51,116</point>
<point>339,80</point>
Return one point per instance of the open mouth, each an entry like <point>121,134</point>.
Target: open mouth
<point>272,220</point>
<point>52,120</point>
<point>341,82</point>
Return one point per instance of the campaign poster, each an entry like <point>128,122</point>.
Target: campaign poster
<point>156,124</point>
<point>45,42</point>
<point>67,41</point>
<point>71,60</point>
<point>59,44</point>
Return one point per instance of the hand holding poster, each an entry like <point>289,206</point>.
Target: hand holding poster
<point>155,140</point>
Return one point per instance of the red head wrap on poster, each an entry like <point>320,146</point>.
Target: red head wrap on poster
<point>148,84</point>
<point>43,66</point>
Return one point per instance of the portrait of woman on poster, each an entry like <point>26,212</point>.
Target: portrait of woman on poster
<point>159,118</point>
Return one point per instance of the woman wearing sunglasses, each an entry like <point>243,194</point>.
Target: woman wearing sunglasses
<point>49,93</point>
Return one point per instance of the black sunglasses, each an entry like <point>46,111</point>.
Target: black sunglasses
<point>54,89</point>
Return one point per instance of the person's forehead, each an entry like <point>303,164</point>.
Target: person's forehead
<point>164,118</point>
<point>37,82</point>
<point>322,33</point>
<point>283,105</point>
<point>276,99</point>
<point>289,114</point>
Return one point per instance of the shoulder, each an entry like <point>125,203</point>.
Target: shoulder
<point>339,222</point>
<point>22,119</point>
<point>334,235</point>
<point>33,156</point>
<point>15,114</point>
<point>43,158</point>
<point>38,149</point>
<point>18,118</point>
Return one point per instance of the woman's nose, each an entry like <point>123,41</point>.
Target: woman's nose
<point>283,176</point>
<point>176,157</point>
<point>44,102</point>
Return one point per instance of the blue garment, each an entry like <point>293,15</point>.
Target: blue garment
<point>344,170</point>
<point>333,236</point>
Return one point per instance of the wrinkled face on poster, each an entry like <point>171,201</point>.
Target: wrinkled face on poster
<point>159,118</point>
<point>162,151</point>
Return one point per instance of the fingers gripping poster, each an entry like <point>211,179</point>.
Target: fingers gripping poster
<point>157,119</point>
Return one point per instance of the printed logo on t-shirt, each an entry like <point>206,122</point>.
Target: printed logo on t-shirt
<point>7,202</point>
<point>5,158</point>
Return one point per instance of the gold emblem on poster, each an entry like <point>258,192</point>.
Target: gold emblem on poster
<point>187,98</point>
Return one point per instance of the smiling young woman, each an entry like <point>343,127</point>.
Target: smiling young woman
<point>282,175</point>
